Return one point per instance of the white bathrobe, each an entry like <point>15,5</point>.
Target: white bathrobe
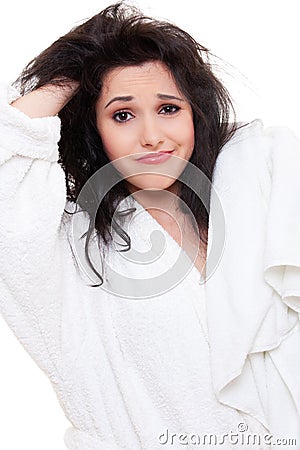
<point>159,372</point>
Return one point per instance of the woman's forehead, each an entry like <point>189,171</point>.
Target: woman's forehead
<point>152,74</point>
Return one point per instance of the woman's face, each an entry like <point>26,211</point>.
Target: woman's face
<point>142,113</point>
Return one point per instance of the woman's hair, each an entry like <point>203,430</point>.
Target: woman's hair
<point>118,36</point>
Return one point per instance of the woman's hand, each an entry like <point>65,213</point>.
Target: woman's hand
<point>47,100</point>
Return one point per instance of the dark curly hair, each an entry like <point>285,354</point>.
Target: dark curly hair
<point>121,35</point>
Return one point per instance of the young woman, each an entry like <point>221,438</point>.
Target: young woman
<point>163,308</point>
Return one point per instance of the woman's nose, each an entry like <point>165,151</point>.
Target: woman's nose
<point>151,133</point>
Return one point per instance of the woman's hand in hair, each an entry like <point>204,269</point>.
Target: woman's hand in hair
<point>47,100</point>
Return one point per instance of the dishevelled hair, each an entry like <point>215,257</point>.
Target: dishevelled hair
<point>121,35</point>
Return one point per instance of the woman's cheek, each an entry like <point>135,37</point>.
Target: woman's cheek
<point>116,146</point>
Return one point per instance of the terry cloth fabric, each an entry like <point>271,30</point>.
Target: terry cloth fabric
<point>130,373</point>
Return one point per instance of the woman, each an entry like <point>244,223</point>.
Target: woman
<point>142,355</point>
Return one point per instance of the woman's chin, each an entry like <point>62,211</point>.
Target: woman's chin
<point>151,182</point>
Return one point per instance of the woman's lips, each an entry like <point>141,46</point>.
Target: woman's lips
<point>156,158</point>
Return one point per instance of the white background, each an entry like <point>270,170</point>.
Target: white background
<point>259,42</point>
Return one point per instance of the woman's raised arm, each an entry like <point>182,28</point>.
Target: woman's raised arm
<point>47,100</point>
<point>33,256</point>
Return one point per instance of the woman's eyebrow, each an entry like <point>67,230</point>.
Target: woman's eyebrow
<point>169,97</point>
<point>128,98</point>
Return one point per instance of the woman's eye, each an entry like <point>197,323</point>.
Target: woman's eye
<point>170,109</point>
<point>122,116</point>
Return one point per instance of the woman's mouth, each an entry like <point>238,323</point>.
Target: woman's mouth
<point>156,157</point>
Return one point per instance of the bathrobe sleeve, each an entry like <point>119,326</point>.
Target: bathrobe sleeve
<point>253,296</point>
<point>32,201</point>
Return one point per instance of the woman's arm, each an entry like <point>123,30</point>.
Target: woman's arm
<point>33,260</point>
<point>47,100</point>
